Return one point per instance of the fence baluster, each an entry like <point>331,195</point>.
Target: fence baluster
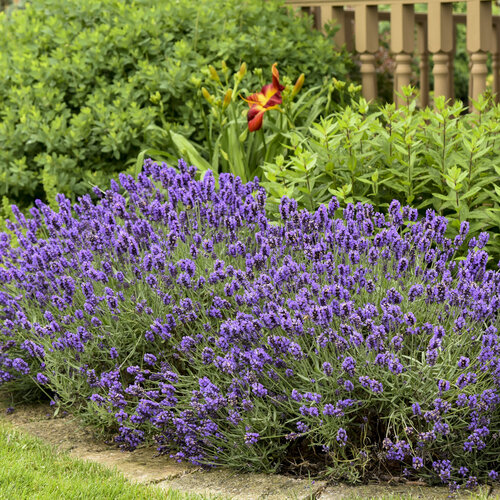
<point>402,45</point>
<point>366,26</point>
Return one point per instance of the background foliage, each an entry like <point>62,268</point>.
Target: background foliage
<point>440,159</point>
<point>78,77</point>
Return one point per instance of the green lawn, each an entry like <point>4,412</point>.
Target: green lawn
<point>30,469</point>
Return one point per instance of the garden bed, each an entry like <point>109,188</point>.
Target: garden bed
<point>235,314</point>
<point>303,351</point>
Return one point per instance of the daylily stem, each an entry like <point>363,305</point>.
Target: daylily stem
<point>264,143</point>
<point>205,126</point>
<point>290,123</point>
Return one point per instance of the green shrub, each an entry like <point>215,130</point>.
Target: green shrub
<point>432,159</point>
<point>78,78</point>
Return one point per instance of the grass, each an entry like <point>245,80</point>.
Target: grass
<point>30,469</point>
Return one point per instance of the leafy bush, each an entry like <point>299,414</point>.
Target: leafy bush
<point>439,159</point>
<point>175,309</point>
<point>79,79</point>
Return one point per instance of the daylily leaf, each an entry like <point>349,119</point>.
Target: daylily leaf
<point>186,148</point>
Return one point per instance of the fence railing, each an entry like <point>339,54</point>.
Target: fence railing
<point>415,33</point>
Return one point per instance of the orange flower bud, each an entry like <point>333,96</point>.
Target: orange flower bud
<point>206,95</point>
<point>213,74</point>
<point>298,85</point>
<point>242,71</point>
<point>227,99</point>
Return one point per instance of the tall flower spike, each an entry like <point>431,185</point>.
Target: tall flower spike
<point>265,100</point>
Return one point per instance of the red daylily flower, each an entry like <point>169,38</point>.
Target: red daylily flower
<point>268,98</point>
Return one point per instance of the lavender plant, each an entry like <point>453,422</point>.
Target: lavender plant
<point>172,310</point>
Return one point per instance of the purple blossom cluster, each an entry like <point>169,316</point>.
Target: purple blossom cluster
<point>174,308</point>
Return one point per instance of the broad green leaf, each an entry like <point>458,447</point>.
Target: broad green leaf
<point>185,148</point>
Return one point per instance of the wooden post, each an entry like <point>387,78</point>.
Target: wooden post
<point>402,45</point>
<point>440,39</point>
<point>451,62</point>
<point>479,41</point>
<point>325,15</point>
<point>315,13</point>
<point>366,26</point>
<point>441,72</point>
<point>495,60</point>
<point>344,35</point>
<point>423,53</point>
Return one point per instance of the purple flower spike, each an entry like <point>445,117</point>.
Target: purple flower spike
<point>251,438</point>
<point>341,437</point>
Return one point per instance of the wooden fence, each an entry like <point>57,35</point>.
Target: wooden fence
<point>415,33</point>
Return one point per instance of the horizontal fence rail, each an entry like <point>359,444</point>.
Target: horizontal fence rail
<point>415,33</point>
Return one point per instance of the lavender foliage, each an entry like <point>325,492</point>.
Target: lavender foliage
<point>174,309</point>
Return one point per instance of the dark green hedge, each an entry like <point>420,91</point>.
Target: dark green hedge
<point>77,78</point>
